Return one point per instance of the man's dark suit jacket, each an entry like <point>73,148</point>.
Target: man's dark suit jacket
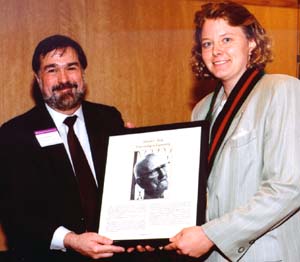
<point>40,188</point>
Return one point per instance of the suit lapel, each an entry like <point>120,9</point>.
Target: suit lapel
<point>97,140</point>
<point>231,130</point>
<point>55,155</point>
<point>231,108</point>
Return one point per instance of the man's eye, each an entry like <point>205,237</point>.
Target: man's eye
<point>51,70</point>
<point>72,68</point>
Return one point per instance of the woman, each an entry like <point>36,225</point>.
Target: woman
<point>254,159</point>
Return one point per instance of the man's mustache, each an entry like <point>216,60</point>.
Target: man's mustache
<point>63,86</point>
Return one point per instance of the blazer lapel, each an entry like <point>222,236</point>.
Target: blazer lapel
<point>56,155</point>
<point>97,140</point>
<point>231,129</point>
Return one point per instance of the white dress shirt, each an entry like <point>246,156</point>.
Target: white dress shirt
<point>80,131</point>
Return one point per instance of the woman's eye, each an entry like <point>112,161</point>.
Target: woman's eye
<point>206,45</point>
<point>226,40</point>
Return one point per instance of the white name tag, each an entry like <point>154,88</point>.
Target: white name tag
<point>48,137</point>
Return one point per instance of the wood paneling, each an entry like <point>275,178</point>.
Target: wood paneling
<point>272,3</point>
<point>2,240</point>
<point>138,51</point>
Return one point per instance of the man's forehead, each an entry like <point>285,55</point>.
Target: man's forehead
<point>60,56</point>
<point>60,52</point>
<point>155,165</point>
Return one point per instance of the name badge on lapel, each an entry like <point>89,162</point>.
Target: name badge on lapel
<point>48,137</point>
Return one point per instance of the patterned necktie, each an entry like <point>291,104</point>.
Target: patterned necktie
<point>85,180</point>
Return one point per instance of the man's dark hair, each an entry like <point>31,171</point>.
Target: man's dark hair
<point>56,42</point>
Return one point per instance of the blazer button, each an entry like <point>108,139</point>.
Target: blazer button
<point>241,250</point>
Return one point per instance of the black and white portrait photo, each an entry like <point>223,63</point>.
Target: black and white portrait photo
<point>150,176</point>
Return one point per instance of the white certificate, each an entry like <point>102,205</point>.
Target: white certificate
<point>155,182</point>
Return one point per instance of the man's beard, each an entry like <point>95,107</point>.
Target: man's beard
<point>67,100</point>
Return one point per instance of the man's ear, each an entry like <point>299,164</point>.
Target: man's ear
<point>37,79</point>
<point>138,181</point>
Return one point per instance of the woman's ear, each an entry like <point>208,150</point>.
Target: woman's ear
<point>252,45</point>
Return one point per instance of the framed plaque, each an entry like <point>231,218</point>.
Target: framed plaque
<point>155,183</point>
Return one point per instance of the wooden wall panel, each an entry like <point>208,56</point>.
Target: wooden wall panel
<point>138,52</point>
<point>281,25</point>
<point>282,3</point>
<point>145,60</point>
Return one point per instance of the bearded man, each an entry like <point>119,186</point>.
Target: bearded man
<point>48,215</point>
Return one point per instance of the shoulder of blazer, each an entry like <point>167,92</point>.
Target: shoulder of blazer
<point>35,116</point>
<point>23,126</point>
<point>96,108</point>
<point>102,116</point>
